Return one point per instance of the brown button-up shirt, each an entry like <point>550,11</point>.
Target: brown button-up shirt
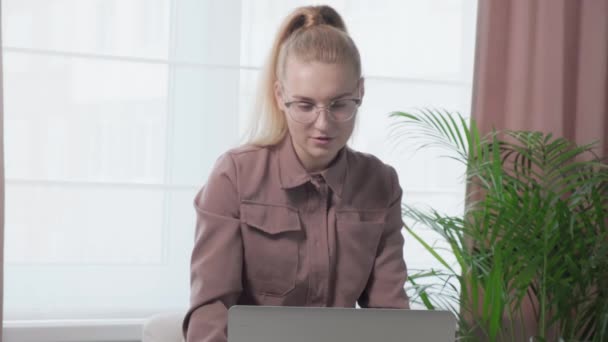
<point>270,233</point>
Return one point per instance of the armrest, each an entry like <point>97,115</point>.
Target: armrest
<point>166,327</point>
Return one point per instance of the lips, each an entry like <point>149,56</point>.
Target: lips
<point>322,140</point>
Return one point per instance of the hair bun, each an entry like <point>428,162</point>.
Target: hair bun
<point>309,16</point>
<point>329,16</point>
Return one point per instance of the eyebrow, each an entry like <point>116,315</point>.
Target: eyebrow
<point>305,98</point>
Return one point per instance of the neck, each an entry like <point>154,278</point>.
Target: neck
<point>313,165</point>
<point>314,168</point>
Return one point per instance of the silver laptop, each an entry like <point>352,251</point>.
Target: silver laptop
<point>299,324</point>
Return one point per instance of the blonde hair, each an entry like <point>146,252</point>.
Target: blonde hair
<point>311,34</point>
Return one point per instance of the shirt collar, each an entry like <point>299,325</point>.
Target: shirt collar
<point>335,174</point>
<point>292,174</point>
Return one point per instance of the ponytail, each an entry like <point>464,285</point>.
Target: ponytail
<point>311,33</point>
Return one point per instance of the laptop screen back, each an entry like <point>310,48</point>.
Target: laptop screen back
<point>311,324</point>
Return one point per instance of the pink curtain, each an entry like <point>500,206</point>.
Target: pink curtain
<point>543,65</point>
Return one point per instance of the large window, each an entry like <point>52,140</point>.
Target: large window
<point>116,111</point>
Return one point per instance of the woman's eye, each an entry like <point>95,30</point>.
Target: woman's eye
<point>304,106</point>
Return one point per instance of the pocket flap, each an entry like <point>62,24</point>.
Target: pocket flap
<point>271,219</point>
<point>362,216</point>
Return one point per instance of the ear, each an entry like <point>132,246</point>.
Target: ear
<point>361,88</point>
<point>278,95</point>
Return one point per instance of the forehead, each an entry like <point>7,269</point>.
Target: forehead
<point>317,80</point>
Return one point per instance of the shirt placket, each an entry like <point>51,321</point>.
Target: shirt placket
<point>318,292</point>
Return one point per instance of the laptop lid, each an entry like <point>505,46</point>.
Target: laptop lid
<point>312,324</point>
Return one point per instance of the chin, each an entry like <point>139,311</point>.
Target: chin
<point>321,153</point>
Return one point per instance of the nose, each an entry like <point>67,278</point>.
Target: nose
<point>323,118</point>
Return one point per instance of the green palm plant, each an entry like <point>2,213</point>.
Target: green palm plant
<point>534,230</point>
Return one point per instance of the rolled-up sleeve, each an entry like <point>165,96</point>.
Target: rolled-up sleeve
<point>217,256</point>
<point>385,287</point>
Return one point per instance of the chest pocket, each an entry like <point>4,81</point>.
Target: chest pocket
<point>272,235</point>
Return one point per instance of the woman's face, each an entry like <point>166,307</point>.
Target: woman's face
<point>317,143</point>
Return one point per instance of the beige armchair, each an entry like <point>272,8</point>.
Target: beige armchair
<point>163,328</point>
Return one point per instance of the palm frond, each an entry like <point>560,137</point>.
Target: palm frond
<point>536,230</point>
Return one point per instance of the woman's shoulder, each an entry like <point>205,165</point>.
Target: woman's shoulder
<point>367,163</point>
<point>245,149</point>
<point>372,181</point>
<point>241,158</point>
<point>246,152</point>
<point>223,184</point>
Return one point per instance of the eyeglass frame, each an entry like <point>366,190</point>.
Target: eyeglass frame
<point>318,109</point>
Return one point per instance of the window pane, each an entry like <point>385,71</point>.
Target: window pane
<point>396,38</point>
<point>57,224</point>
<point>84,120</point>
<point>123,256</point>
<point>385,96</point>
<point>208,31</point>
<point>128,279</point>
<point>205,120</point>
<point>138,28</point>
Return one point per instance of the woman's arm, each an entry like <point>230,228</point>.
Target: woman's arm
<point>385,287</point>
<point>216,262</point>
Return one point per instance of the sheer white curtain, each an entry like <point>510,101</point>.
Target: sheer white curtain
<point>115,112</point>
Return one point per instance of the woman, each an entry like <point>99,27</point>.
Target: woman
<point>296,217</point>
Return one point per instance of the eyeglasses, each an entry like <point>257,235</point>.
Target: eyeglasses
<point>340,110</point>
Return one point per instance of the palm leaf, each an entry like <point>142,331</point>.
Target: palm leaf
<point>538,232</point>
